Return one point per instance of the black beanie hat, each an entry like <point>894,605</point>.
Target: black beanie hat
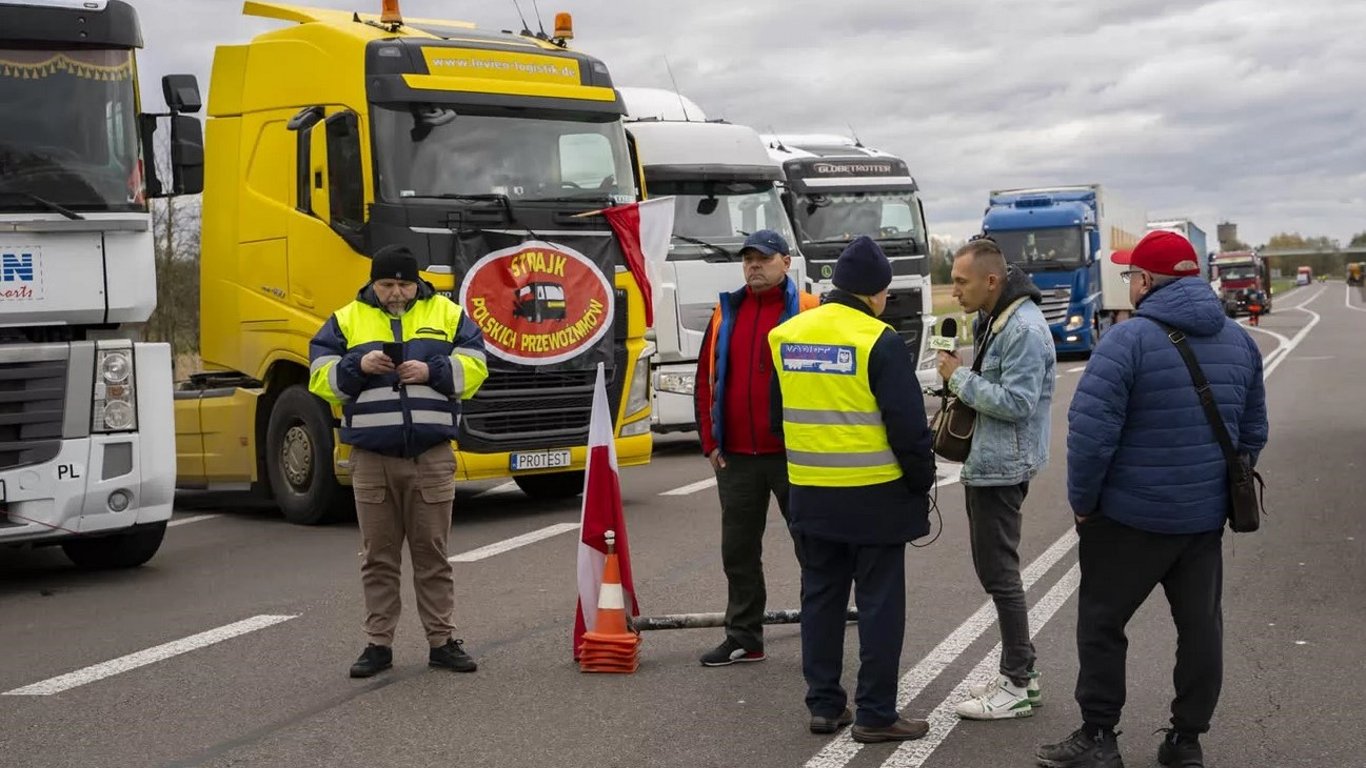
<point>863,268</point>
<point>393,262</point>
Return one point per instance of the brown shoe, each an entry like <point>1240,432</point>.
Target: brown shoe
<point>822,724</point>
<point>901,730</point>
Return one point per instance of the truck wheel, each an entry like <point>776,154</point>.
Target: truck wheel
<point>122,550</point>
<point>557,485</point>
<point>299,460</point>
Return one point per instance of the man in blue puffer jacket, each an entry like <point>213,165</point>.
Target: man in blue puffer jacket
<point>1147,481</point>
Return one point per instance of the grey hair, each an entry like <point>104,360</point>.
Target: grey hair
<point>1161,280</point>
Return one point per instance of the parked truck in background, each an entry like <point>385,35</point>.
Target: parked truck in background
<point>1241,273</point>
<point>723,183</point>
<point>343,132</point>
<point>1063,238</point>
<point>1187,229</point>
<point>87,446</point>
<point>835,190</point>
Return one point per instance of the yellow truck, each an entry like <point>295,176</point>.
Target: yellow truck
<point>343,132</point>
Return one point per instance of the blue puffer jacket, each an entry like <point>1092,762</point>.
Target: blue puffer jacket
<point>1139,448</point>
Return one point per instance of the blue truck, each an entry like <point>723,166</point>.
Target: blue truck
<point>1063,237</point>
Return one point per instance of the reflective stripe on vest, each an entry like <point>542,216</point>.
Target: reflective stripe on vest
<point>832,425</point>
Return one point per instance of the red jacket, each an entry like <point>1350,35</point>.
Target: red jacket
<point>735,369</point>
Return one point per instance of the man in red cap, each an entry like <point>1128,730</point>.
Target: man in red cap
<point>1147,482</point>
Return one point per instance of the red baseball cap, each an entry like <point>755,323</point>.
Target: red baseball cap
<point>1161,253</point>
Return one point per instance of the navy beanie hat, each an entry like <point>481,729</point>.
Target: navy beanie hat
<point>863,268</point>
<point>393,262</point>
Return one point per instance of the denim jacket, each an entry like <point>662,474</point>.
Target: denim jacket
<point>1013,393</point>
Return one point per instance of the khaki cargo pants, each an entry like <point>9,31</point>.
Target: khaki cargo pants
<point>397,499</point>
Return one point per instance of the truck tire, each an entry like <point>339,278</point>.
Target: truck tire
<point>121,550</point>
<point>556,485</point>
<point>299,448</point>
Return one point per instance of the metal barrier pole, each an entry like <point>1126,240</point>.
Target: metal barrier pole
<point>706,620</point>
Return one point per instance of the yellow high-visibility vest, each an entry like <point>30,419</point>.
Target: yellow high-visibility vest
<point>831,422</point>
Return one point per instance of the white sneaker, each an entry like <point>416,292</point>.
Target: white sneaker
<point>1035,695</point>
<point>1002,700</point>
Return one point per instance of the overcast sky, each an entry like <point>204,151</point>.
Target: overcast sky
<point>1249,111</point>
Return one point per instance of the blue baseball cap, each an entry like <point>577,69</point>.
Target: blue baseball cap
<point>767,242</point>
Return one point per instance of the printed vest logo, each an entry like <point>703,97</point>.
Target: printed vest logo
<point>538,303</point>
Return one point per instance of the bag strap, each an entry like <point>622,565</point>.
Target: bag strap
<point>979,352</point>
<point>1202,389</point>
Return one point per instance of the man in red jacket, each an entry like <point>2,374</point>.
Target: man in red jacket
<point>734,373</point>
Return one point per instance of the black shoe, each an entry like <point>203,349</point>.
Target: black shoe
<point>1085,748</point>
<point>452,656</point>
<point>730,652</point>
<point>823,724</point>
<point>902,730</point>
<point>374,659</point>
<point>1181,750</point>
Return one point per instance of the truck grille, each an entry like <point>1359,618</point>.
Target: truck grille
<point>32,409</point>
<point>1055,303</point>
<point>527,409</point>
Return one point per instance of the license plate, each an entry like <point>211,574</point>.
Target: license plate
<point>539,460</point>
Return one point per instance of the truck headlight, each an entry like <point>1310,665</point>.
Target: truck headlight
<point>677,383</point>
<point>638,395</point>
<point>114,397</point>
<point>1074,322</point>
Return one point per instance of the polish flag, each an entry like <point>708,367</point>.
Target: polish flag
<point>602,512</point>
<point>644,230</point>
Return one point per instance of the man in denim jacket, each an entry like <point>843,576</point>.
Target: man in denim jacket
<point>1012,396</point>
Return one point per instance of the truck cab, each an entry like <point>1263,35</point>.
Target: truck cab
<point>724,187</point>
<point>485,153</point>
<point>1242,274</point>
<point>836,189</point>
<point>1062,237</point>
<point>87,446</point>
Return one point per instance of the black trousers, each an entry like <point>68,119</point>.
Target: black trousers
<point>994,523</point>
<point>878,575</point>
<point>1120,566</point>
<point>745,486</point>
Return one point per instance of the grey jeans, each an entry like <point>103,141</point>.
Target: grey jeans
<point>994,528</point>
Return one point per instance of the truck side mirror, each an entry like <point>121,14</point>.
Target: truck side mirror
<point>187,155</point>
<point>789,204</point>
<point>182,93</point>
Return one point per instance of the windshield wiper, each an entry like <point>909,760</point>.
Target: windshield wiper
<point>48,204</point>
<point>592,200</point>
<point>713,246</point>
<point>1042,263</point>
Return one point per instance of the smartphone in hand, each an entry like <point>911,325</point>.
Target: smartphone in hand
<point>394,351</point>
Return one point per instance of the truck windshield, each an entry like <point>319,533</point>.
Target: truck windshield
<point>1042,249</point>
<point>831,218</point>
<point>431,151</point>
<point>1247,272</point>
<point>720,214</point>
<point>69,131</point>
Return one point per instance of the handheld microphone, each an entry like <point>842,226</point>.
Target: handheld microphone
<point>947,338</point>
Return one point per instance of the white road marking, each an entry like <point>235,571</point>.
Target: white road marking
<point>187,520</point>
<point>1348,298</point>
<point>499,547</point>
<point>142,658</point>
<point>691,488</point>
<point>1297,338</point>
<point>1077,369</point>
<point>843,748</point>
<point>913,754</point>
<point>497,490</point>
<point>952,473</point>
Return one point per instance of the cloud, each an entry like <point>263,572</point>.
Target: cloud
<point>1245,110</point>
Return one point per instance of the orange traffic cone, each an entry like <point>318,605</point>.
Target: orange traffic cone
<point>610,647</point>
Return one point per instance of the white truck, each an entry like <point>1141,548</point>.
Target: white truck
<point>87,442</point>
<point>836,189</point>
<point>723,184</point>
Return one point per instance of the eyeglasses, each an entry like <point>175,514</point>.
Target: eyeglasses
<point>1128,275</point>
<point>985,237</point>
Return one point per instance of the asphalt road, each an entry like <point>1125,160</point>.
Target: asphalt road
<point>231,647</point>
